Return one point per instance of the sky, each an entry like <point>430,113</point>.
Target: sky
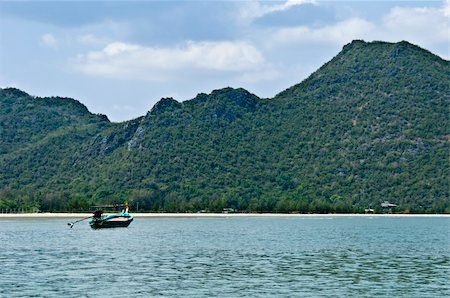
<point>120,57</point>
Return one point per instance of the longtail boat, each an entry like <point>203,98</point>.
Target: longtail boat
<point>116,220</point>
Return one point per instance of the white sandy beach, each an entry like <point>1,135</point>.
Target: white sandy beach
<point>206,215</point>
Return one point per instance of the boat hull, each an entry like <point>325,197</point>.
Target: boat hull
<point>114,221</point>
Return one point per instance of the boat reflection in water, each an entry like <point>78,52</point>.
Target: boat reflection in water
<point>116,220</point>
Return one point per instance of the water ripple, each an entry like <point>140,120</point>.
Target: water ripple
<point>256,257</point>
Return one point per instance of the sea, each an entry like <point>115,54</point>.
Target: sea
<point>318,256</point>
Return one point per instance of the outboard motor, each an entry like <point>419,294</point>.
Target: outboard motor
<point>98,213</point>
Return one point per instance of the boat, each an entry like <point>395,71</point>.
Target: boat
<point>116,220</point>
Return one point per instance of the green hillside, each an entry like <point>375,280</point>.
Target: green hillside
<point>370,125</point>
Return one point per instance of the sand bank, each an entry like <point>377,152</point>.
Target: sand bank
<point>206,215</point>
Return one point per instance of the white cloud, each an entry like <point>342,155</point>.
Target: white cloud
<point>423,25</point>
<point>256,9</point>
<point>125,60</point>
<point>446,8</point>
<point>339,33</point>
<point>92,40</point>
<point>49,40</point>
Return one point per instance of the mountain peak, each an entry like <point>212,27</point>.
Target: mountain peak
<point>374,61</point>
<point>359,46</point>
<point>12,92</point>
<point>227,95</point>
<point>354,44</point>
<point>165,104</point>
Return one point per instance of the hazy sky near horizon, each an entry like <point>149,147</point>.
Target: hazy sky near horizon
<point>119,58</point>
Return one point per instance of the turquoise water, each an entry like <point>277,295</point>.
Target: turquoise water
<point>228,257</point>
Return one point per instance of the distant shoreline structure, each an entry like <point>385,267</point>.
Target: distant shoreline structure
<point>210,215</point>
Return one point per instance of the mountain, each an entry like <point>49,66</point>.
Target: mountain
<point>368,126</point>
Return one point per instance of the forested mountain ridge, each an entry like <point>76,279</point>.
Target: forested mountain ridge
<point>25,119</point>
<point>368,126</point>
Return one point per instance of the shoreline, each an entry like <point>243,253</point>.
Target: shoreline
<point>209,215</point>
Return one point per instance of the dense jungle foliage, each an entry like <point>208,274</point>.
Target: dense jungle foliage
<point>370,125</point>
